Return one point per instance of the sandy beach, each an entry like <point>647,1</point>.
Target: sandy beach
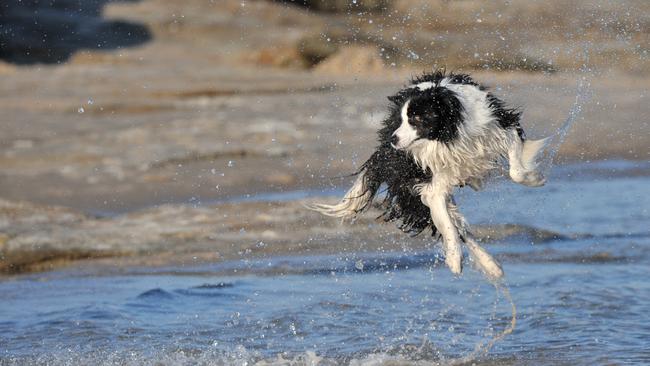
<point>214,110</point>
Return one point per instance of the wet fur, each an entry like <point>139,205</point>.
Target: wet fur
<point>472,133</point>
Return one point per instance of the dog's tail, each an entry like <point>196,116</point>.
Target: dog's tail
<point>531,152</point>
<point>355,201</point>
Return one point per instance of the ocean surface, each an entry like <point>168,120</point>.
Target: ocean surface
<point>581,298</point>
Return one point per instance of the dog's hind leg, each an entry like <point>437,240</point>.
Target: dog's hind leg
<point>482,258</point>
<point>484,261</point>
<point>436,195</point>
<point>522,156</point>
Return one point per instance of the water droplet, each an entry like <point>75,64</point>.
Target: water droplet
<point>414,55</point>
<point>359,265</point>
<point>230,163</point>
<point>90,101</point>
<point>81,110</point>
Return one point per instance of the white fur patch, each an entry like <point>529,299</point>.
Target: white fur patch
<point>406,134</point>
<point>423,85</point>
<point>483,259</point>
<point>524,167</point>
<point>478,114</point>
<point>436,196</point>
<point>353,203</point>
<point>468,158</point>
<point>428,84</point>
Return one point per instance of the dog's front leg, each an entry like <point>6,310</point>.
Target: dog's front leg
<point>522,156</point>
<point>435,195</point>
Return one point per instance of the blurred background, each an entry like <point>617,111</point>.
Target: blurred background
<point>156,156</point>
<point>109,106</point>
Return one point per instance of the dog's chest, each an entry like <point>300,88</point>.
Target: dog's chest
<point>468,158</point>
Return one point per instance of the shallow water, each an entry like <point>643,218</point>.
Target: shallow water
<point>582,299</point>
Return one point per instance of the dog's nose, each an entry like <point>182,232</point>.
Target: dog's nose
<point>394,140</point>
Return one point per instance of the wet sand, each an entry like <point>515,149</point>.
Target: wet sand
<point>185,151</point>
<point>206,111</point>
<point>120,156</point>
<point>37,238</point>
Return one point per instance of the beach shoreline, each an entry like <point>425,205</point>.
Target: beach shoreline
<point>195,114</point>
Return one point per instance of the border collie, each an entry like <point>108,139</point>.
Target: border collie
<point>443,131</point>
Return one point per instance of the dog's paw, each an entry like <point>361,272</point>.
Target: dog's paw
<point>454,257</point>
<point>533,179</point>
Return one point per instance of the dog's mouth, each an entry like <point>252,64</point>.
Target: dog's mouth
<point>405,147</point>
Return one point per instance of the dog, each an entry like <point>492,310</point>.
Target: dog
<point>444,130</point>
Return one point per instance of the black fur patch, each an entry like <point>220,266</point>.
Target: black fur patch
<point>507,117</point>
<point>399,172</point>
<point>435,114</point>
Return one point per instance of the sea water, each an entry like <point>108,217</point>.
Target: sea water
<point>583,296</point>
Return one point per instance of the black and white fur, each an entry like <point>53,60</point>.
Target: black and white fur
<point>443,131</point>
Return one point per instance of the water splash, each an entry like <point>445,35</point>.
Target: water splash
<point>482,348</point>
<point>556,140</point>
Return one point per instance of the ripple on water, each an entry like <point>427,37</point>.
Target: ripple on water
<point>583,298</point>
<point>156,294</point>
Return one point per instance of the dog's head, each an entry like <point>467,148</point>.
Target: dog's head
<point>434,113</point>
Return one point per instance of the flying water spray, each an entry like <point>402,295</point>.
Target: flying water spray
<point>555,141</point>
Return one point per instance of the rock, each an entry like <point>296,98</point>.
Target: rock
<point>316,48</point>
<point>352,60</point>
<point>285,57</point>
